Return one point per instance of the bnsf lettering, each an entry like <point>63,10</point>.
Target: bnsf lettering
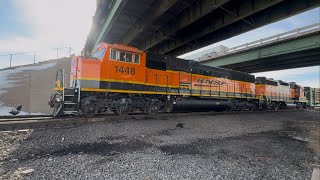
<point>125,70</point>
<point>207,81</point>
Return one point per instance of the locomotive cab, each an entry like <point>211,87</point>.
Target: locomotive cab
<point>108,68</point>
<point>117,62</point>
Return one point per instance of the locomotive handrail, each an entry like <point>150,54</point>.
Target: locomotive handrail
<point>79,92</point>
<point>167,89</point>
<point>63,85</point>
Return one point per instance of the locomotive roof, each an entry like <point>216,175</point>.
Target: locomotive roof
<point>172,63</point>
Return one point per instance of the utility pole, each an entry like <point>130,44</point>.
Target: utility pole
<point>57,53</point>
<point>10,59</point>
<point>70,51</point>
<point>34,57</point>
<point>30,81</point>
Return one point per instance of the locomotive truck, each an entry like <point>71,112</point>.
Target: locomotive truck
<point>124,79</point>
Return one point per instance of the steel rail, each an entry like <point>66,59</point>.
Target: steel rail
<point>2,117</point>
<point>48,122</point>
<point>23,119</point>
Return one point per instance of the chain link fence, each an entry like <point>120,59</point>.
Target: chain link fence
<point>14,59</point>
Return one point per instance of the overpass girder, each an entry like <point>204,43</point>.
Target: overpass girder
<point>212,34</point>
<point>190,15</point>
<point>147,21</point>
<point>271,64</point>
<point>108,22</point>
<point>226,15</point>
<point>285,66</point>
<point>291,46</point>
<point>264,62</point>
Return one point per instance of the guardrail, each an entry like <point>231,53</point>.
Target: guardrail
<point>272,39</point>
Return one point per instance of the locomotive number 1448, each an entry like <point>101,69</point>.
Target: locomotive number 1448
<point>125,70</point>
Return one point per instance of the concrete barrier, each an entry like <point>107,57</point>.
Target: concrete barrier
<point>30,86</point>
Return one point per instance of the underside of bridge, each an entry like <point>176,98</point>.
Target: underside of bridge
<point>302,51</point>
<point>289,61</point>
<point>175,27</point>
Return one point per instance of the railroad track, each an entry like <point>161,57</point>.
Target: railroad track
<point>38,121</point>
<point>22,118</point>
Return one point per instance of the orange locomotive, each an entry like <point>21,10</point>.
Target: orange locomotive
<point>124,79</point>
<point>276,94</point>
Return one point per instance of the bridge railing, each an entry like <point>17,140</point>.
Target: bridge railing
<point>272,39</point>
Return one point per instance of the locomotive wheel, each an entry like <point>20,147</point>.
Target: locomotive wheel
<point>230,109</point>
<point>151,109</point>
<point>255,107</point>
<point>154,107</point>
<point>89,110</point>
<point>123,109</point>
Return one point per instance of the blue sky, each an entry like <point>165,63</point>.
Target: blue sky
<point>42,25</point>
<point>11,24</point>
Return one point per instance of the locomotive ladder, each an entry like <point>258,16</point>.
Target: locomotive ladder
<point>70,97</point>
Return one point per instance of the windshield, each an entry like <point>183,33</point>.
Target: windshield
<point>99,54</point>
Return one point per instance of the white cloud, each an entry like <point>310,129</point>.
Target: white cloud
<point>58,23</point>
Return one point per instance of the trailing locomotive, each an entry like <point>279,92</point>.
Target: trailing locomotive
<point>124,79</point>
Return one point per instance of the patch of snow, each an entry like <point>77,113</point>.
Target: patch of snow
<point>4,111</point>
<point>5,82</point>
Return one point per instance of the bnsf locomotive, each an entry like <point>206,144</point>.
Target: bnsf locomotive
<point>125,79</point>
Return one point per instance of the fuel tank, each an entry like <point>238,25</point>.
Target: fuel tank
<point>200,104</point>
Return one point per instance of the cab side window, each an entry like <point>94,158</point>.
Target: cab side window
<point>136,58</point>
<point>113,54</point>
<point>122,56</point>
<point>125,56</point>
<point>128,57</point>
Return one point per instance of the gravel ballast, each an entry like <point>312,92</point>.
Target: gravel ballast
<point>259,145</point>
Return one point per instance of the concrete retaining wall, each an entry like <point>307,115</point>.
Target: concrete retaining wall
<point>30,86</point>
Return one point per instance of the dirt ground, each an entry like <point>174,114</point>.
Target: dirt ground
<point>257,145</point>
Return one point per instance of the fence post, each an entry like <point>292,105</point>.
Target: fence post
<point>30,81</point>
<point>10,59</point>
<point>34,57</point>
<point>57,53</point>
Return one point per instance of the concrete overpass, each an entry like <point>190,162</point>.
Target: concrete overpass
<point>293,49</point>
<point>175,27</point>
